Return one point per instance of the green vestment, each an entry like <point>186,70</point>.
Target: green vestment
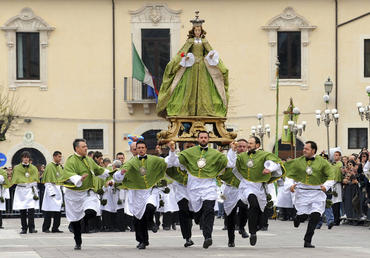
<point>177,174</point>
<point>52,173</point>
<point>322,170</point>
<point>337,170</point>
<point>229,178</point>
<point>192,91</point>
<point>77,165</point>
<point>6,183</point>
<point>216,162</point>
<point>255,173</point>
<point>20,174</point>
<point>144,173</point>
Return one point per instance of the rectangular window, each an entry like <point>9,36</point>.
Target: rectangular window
<point>367,58</point>
<point>357,138</point>
<point>155,54</point>
<point>289,53</point>
<point>28,56</point>
<point>94,138</point>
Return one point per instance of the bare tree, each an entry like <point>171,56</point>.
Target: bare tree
<point>8,112</point>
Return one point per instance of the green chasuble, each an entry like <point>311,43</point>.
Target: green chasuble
<point>255,173</point>
<point>216,162</point>
<point>144,173</point>
<point>6,183</point>
<point>229,178</point>
<point>337,170</point>
<point>22,175</point>
<point>321,170</point>
<point>52,173</point>
<point>77,165</point>
<point>178,175</point>
<point>199,90</point>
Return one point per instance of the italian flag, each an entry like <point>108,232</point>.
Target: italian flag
<point>140,72</point>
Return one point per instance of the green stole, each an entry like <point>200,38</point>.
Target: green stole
<point>155,170</point>
<point>321,170</point>
<point>255,173</point>
<point>216,162</point>
<point>19,174</point>
<point>229,178</point>
<point>77,165</point>
<point>6,183</point>
<point>52,173</point>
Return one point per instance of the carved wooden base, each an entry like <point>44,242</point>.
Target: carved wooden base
<point>186,129</point>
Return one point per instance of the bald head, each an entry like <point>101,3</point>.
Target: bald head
<point>133,149</point>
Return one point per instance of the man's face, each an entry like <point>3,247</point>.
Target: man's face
<point>99,161</point>
<point>252,145</point>
<point>242,147</point>
<point>133,149</point>
<point>26,160</point>
<point>57,158</point>
<point>203,139</point>
<point>337,156</point>
<point>81,149</point>
<point>352,157</point>
<point>121,158</point>
<point>141,149</point>
<point>188,145</point>
<point>308,152</point>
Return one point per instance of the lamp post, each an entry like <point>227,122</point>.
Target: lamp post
<point>364,111</point>
<point>261,129</point>
<point>295,128</point>
<point>328,115</point>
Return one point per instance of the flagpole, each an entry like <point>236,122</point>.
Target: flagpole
<point>277,109</point>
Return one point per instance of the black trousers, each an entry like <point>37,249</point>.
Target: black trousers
<point>185,217</point>
<point>255,214</point>
<point>232,218</point>
<point>336,212</point>
<point>1,218</point>
<point>142,225</point>
<point>314,219</point>
<point>109,220</point>
<point>76,225</point>
<point>30,214</point>
<point>122,220</point>
<point>56,215</point>
<point>206,218</point>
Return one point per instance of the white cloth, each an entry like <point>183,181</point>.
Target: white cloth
<point>5,194</point>
<point>247,187</point>
<point>189,62</point>
<point>111,195</point>
<point>23,197</point>
<point>170,203</point>
<point>180,191</point>
<point>213,61</point>
<point>338,189</point>
<point>53,198</point>
<point>201,189</point>
<point>121,195</point>
<point>232,196</point>
<point>1,179</point>
<point>77,202</point>
<point>138,199</point>
<point>284,197</point>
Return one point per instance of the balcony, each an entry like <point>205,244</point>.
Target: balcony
<point>135,94</point>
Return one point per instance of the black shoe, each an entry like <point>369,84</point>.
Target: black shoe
<point>265,228</point>
<point>57,231</point>
<point>155,229</point>
<point>308,245</point>
<point>318,226</point>
<point>296,222</point>
<point>207,243</point>
<point>77,247</point>
<point>141,246</point>
<point>224,228</point>
<point>33,231</point>
<point>166,228</point>
<point>188,242</point>
<point>24,231</point>
<point>174,226</point>
<point>1,227</point>
<point>243,233</point>
<point>231,244</point>
<point>46,231</point>
<point>253,239</point>
<point>331,224</point>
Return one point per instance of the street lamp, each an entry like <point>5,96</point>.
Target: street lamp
<point>328,115</point>
<point>295,129</point>
<point>364,111</point>
<point>261,129</point>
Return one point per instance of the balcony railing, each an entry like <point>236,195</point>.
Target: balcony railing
<point>136,93</point>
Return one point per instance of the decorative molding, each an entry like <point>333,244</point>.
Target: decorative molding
<point>289,20</point>
<point>153,16</point>
<point>26,21</point>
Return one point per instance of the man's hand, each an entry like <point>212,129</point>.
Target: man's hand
<point>292,188</point>
<point>266,171</point>
<point>233,145</point>
<point>83,177</point>
<point>172,146</point>
<point>323,188</point>
<point>123,171</point>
